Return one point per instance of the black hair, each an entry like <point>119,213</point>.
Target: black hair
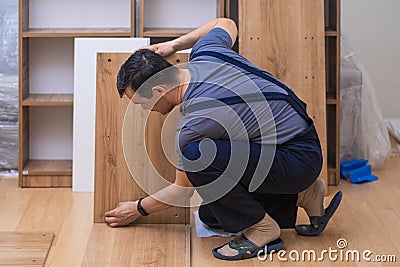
<point>141,66</point>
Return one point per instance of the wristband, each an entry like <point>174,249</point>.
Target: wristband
<point>141,209</point>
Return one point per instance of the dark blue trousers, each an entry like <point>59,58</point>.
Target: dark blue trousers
<point>296,165</point>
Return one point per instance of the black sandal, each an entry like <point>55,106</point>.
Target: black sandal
<point>318,224</point>
<point>247,249</point>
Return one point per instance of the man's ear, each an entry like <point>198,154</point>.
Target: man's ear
<point>158,90</point>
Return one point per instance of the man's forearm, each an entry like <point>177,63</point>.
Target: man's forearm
<point>188,40</point>
<point>172,194</point>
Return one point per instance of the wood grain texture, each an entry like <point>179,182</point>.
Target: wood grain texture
<point>113,180</point>
<point>76,32</point>
<point>140,245</point>
<point>286,38</point>
<point>35,181</point>
<point>48,100</point>
<point>133,18</point>
<point>23,87</point>
<point>165,32</point>
<point>48,167</point>
<point>362,220</point>
<point>24,248</point>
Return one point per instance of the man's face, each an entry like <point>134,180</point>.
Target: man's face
<point>156,103</point>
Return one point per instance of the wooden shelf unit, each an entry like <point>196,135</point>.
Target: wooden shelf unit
<point>40,33</point>
<point>332,61</point>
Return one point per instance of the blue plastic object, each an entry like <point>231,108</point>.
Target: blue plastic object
<point>357,171</point>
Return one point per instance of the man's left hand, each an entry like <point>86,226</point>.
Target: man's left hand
<point>125,213</point>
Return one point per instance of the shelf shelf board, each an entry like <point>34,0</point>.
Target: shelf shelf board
<point>77,32</point>
<point>48,100</point>
<point>165,32</point>
<point>331,32</point>
<point>48,167</point>
<point>331,101</point>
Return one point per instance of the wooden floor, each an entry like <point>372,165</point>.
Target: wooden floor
<point>368,219</point>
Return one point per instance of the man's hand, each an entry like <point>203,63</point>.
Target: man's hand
<point>164,49</point>
<point>124,214</point>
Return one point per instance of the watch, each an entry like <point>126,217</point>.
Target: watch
<point>141,209</point>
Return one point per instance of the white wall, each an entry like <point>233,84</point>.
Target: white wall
<point>372,28</point>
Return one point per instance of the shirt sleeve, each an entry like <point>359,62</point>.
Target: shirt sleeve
<point>217,37</point>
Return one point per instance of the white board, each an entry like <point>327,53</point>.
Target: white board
<point>86,50</point>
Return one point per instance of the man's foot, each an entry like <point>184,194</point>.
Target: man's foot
<point>256,237</point>
<point>319,223</point>
<point>312,199</point>
<point>242,248</point>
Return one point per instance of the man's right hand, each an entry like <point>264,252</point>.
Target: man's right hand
<point>125,213</point>
<point>164,49</point>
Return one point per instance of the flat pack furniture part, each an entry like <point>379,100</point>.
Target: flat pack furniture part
<point>113,180</point>
<point>286,38</point>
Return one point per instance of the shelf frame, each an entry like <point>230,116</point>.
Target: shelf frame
<point>48,173</point>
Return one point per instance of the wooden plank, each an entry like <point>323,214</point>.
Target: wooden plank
<point>141,18</point>
<point>48,100</point>
<point>133,18</point>
<point>23,85</point>
<point>165,32</point>
<point>76,32</point>
<point>47,181</point>
<point>139,245</point>
<point>289,40</point>
<point>48,167</point>
<point>24,248</point>
<point>113,181</point>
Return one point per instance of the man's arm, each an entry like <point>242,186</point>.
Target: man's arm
<point>178,193</point>
<point>189,40</point>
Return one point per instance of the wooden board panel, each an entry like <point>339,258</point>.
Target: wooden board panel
<point>113,181</point>
<point>48,100</point>
<point>48,167</point>
<point>139,245</point>
<point>286,38</point>
<point>76,32</point>
<point>24,248</point>
<point>47,181</point>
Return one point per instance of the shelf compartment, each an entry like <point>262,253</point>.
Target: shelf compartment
<point>333,145</point>
<point>76,32</point>
<point>48,100</point>
<point>165,32</point>
<point>331,14</point>
<point>40,14</point>
<point>331,65</point>
<point>48,167</point>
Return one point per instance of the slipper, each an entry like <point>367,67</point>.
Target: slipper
<point>322,221</point>
<point>247,249</point>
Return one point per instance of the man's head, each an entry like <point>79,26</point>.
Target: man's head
<point>141,69</point>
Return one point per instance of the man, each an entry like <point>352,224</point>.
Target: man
<point>245,141</point>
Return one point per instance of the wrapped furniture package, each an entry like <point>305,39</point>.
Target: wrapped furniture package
<point>363,132</point>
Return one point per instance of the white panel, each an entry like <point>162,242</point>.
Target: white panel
<point>50,133</point>
<point>178,13</point>
<point>79,13</point>
<point>85,102</point>
<point>51,63</point>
